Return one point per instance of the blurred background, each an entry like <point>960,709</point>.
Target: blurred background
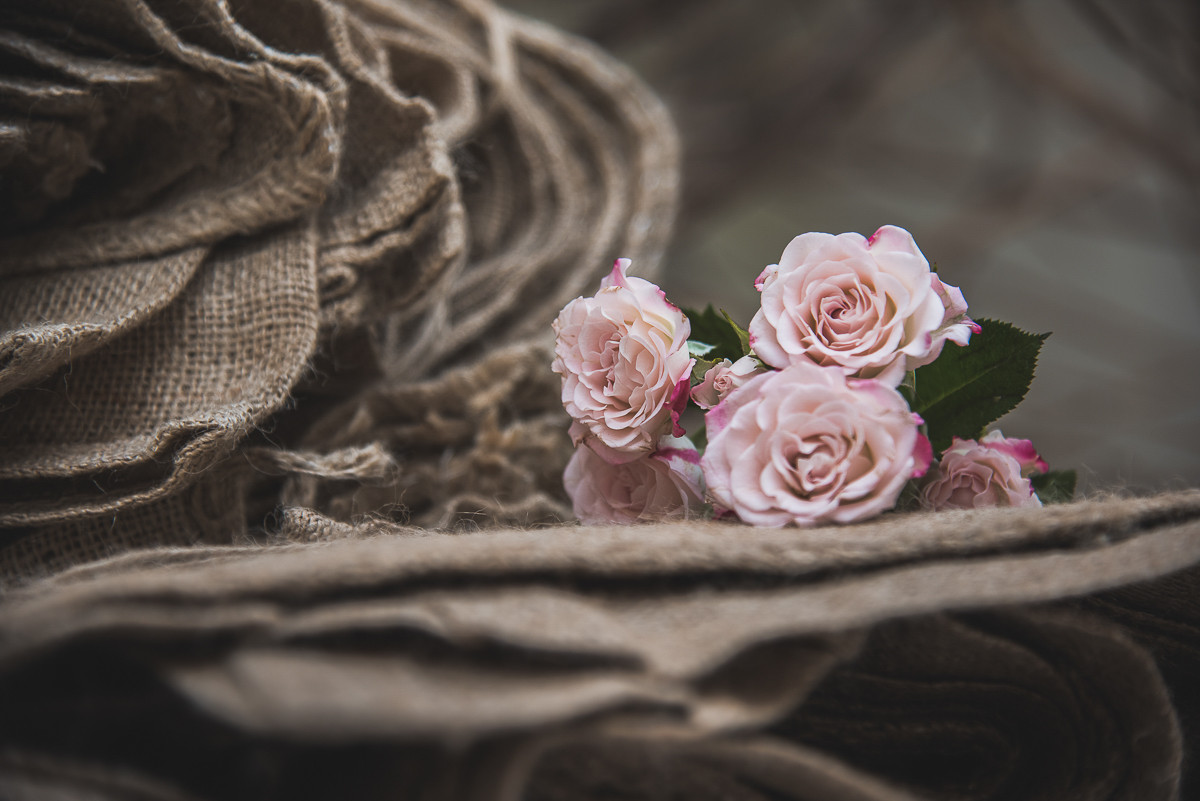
<point>1045,154</point>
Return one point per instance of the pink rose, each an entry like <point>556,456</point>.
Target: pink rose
<point>667,484</point>
<point>869,306</point>
<point>807,445</point>
<point>624,363</point>
<point>991,472</point>
<point>1020,449</point>
<point>724,377</point>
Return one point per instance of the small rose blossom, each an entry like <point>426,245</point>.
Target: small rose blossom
<point>666,485</point>
<point>994,471</point>
<point>1020,449</point>
<point>724,377</point>
<point>870,306</point>
<point>623,358</point>
<point>807,445</point>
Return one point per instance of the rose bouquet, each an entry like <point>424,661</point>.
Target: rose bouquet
<point>829,407</point>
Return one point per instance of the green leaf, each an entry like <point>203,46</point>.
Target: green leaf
<point>965,389</point>
<point>728,339</point>
<point>701,367</point>
<point>742,334</point>
<point>699,438</point>
<point>1057,486</point>
<point>698,349</point>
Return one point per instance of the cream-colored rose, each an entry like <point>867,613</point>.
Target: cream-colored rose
<point>806,445</point>
<point>991,472</point>
<point>722,378</point>
<point>623,358</point>
<point>870,306</point>
<point>663,486</point>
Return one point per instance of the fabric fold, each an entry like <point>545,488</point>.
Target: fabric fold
<point>962,672</point>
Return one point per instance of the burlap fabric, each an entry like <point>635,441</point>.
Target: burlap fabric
<point>215,211</point>
<point>1010,654</point>
<point>280,458</point>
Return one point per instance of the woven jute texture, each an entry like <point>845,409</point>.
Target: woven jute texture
<point>281,511</point>
<point>235,232</point>
<point>1003,654</point>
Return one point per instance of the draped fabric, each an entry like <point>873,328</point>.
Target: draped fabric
<point>281,511</point>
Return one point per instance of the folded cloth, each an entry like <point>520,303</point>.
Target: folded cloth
<point>999,654</point>
<point>280,456</point>
<point>305,225</point>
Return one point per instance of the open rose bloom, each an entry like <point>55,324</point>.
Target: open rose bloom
<point>663,486</point>
<point>623,358</point>
<point>806,445</point>
<point>869,306</point>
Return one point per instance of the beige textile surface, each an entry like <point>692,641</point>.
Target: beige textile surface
<point>305,224</point>
<point>280,459</point>
<point>1003,654</point>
